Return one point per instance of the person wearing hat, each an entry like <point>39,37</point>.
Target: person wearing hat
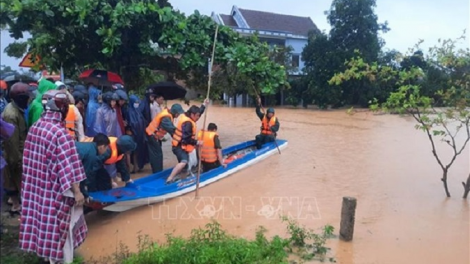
<point>156,131</point>
<point>13,146</point>
<point>74,119</point>
<point>52,221</point>
<point>36,108</point>
<point>269,126</point>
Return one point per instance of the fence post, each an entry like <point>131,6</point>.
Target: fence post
<point>348,214</point>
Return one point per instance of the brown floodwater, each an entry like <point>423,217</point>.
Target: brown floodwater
<point>402,213</point>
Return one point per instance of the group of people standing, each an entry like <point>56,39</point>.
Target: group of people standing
<point>62,143</point>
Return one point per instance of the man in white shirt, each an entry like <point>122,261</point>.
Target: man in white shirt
<point>156,104</point>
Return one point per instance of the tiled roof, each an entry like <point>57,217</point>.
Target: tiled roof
<point>228,20</point>
<point>277,22</point>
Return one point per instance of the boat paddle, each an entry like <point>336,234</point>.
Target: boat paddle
<point>205,112</point>
<point>262,109</point>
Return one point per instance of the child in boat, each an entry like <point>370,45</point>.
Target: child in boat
<point>211,150</point>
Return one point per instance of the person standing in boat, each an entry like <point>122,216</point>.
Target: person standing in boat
<point>156,131</point>
<point>269,126</point>
<point>211,150</point>
<point>184,139</point>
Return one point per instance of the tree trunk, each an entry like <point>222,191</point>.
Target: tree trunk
<point>444,181</point>
<point>466,187</point>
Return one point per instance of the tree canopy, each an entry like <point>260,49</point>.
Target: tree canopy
<point>354,28</point>
<point>126,35</point>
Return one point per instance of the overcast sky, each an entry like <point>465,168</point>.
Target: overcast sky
<point>409,20</point>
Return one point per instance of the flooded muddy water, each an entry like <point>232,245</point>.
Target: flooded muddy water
<point>402,213</point>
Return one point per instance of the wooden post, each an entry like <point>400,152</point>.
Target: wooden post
<point>348,213</point>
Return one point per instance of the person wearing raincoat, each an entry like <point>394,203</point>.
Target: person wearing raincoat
<point>91,110</point>
<point>36,108</point>
<point>121,107</point>
<point>136,123</point>
<point>106,117</point>
<point>145,106</point>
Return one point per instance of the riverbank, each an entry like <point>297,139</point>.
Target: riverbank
<point>211,244</point>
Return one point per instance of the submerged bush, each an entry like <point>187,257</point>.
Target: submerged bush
<point>213,245</point>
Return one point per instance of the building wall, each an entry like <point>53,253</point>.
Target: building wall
<point>298,46</point>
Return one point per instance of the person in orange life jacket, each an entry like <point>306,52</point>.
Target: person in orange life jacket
<point>93,155</point>
<point>269,126</point>
<point>211,150</point>
<point>156,130</point>
<point>80,104</point>
<point>117,162</point>
<point>184,139</point>
<point>73,120</point>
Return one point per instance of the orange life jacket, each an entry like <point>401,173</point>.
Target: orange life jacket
<point>208,150</point>
<point>70,120</point>
<point>267,124</point>
<point>114,152</point>
<point>112,145</point>
<point>177,136</point>
<point>154,128</point>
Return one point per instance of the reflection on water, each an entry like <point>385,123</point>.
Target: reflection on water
<point>402,213</point>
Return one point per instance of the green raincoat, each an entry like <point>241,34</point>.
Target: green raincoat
<point>35,108</point>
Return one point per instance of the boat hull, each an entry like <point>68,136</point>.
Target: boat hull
<point>152,189</point>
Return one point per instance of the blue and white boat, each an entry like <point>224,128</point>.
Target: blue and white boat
<point>153,189</point>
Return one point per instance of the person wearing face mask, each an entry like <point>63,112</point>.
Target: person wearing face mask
<point>14,145</point>
<point>136,124</point>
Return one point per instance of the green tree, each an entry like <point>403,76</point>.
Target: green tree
<point>189,41</point>
<point>441,125</point>
<point>125,36</point>
<point>321,63</point>
<point>116,34</point>
<point>354,28</point>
